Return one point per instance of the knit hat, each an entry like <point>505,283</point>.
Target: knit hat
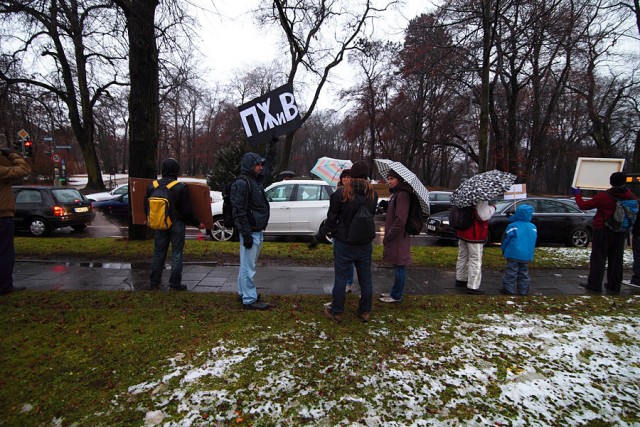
<point>170,167</point>
<point>345,173</point>
<point>394,174</point>
<point>359,170</point>
<point>618,179</point>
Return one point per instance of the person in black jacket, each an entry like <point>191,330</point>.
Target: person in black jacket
<point>343,205</point>
<point>182,214</point>
<point>250,219</point>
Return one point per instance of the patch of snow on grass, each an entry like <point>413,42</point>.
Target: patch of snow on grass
<point>514,369</point>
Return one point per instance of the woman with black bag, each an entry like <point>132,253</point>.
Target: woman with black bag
<point>350,221</point>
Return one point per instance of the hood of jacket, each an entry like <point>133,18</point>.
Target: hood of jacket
<point>523,213</point>
<point>170,168</point>
<point>249,160</point>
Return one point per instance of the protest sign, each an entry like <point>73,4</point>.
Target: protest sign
<point>270,115</point>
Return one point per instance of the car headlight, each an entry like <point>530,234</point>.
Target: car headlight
<point>445,221</point>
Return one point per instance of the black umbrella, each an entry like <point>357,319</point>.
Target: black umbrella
<point>286,174</point>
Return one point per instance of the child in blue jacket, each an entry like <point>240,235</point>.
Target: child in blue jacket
<point>518,244</point>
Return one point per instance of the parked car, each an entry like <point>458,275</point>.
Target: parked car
<point>557,222</point>
<point>41,209</point>
<point>439,201</point>
<point>115,209</point>
<point>108,195</point>
<point>298,208</point>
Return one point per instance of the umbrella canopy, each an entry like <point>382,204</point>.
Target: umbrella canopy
<point>329,169</point>
<point>384,165</point>
<point>482,187</point>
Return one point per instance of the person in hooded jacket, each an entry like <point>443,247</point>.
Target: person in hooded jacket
<point>250,220</point>
<point>343,206</point>
<point>518,246</point>
<point>397,242</point>
<point>607,246</point>
<point>182,215</point>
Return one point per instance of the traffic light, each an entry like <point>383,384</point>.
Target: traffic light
<point>18,146</point>
<point>28,148</point>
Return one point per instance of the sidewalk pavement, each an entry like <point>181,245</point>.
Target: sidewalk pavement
<point>276,280</point>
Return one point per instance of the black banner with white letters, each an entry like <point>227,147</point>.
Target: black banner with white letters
<point>270,115</point>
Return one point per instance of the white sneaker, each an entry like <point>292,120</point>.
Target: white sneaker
<point>389,299</point>
<point>349,288</point>
<point>384,294</point>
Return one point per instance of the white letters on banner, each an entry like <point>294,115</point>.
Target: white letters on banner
<point>273,114</point>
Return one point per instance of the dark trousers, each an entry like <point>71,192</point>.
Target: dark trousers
<point>7,253</point>
<point>635,246</point>
<point>345,256</point>
<point>607,248</point>
<point>175,237</point>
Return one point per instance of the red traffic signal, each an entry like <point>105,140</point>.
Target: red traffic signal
<point>28,148</point>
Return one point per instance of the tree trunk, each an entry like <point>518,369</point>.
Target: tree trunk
<point>144,98</point>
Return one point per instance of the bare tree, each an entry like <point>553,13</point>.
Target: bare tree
<point>318,33</point>
<point>73,48</point>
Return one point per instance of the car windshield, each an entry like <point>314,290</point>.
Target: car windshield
<point>67,195</point>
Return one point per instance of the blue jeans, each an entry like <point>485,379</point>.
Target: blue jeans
<point>400,279</point>
<point>352,269</point>
<point>248,259</point>
<point>344,257</point>
<point>516,278</point>
<point>175,237</point>
<point>7,253</point>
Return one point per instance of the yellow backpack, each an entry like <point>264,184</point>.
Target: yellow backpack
<point>160,207</point>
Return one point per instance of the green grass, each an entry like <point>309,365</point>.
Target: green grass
<point>71,355</point>
<point>284,253</point>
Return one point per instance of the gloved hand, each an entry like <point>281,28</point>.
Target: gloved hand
<point>575,191</point>
<point>7,151</point>
<point>247,241</point>
<point>313,243</point>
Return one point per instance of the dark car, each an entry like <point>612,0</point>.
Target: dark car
<point>115,209</point>
<point>41,209</point>
<point>439,201</point>
<point>557,222</point>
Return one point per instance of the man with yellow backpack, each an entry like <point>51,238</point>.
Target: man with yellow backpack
<point>168,209</point>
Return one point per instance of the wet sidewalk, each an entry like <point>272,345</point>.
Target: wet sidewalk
<point>276,280</point>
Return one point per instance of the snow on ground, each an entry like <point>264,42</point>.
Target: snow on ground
<point>578,256</point>
<point>514,369</point>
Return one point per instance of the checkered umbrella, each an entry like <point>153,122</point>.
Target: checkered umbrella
<point>384,165</point>
<point>482,187</point>
<point>329,169</point>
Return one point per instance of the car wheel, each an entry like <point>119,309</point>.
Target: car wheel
<point>327,239</point>
<point>79,227</point>
<point>38,227</point>
<point>221,233</point>
<point>579,238</point>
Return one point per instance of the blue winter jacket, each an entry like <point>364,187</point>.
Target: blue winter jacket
<point>519,239</point>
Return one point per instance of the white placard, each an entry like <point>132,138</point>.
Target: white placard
<point>594,173</point>
<point>516,192</point>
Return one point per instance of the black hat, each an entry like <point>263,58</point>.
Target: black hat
<point>359,170</point>
<point>618,179</point>
<point>170,167</point>
<point>395,175</point>
<point>345,173</point>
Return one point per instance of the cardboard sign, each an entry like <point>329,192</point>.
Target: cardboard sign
<point>516,192</point>
<point>594,173</point>
<point>198,193</point>
<point>270,115</point>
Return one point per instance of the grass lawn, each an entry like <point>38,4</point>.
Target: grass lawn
<point>191,359</point>
<point>122,358</point>
<point>283,253</point>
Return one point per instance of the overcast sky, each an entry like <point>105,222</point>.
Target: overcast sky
<point>232,41</point>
